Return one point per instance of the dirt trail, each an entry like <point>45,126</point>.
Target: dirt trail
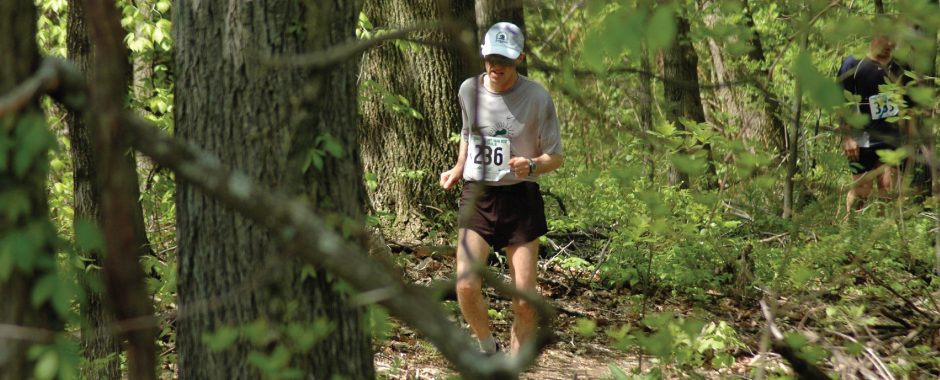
<point>572,356</point>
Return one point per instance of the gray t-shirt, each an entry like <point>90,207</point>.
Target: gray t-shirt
<point>525,114</point>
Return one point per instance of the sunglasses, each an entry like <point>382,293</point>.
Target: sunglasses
<point>500,60</point>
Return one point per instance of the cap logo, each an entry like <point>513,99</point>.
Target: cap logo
<point>501,38</point>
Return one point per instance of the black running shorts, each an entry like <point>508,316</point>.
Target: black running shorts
<point>504,215</point>
<point>867,160</point>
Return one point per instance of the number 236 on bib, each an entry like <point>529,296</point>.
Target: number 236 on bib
<point>487,158</point>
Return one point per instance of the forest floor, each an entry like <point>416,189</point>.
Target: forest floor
<point>575,291</point>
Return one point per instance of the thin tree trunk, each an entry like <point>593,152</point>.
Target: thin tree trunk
<point>429,78</point>
<point>646,111</point>
<point>251,116</point>
<point>789,206</point>
<point>489,12</point>
<point>19,60</point>
<point>97,339</point>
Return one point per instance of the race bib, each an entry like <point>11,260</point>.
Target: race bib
<point>882,107</point>
<point>487,158</point>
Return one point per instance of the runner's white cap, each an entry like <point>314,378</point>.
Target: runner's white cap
<point>504,39</point>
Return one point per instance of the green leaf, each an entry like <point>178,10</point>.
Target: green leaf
<point>32,138</point>
<point>44,289</point>
<point>15,203</point>
<point>854,348</point>
<point>318,162</point>
<point>257,332</point>
<point>688,164</point>
<point>892,157</point>
<point>333,148</point>
<point>47,366</point>
<point>88,236</point>
<point>586,327</point>
<point>820,88</point>
<point>796,341</point>
<point>723,360</point>
<point>157,35</point>
<point>857,120</point>
<point>658,320</point>
<point>661,30</point>
<point>163,6</point>
<point>925,96</point>
<point>364,21</point>
<point>617,373</point>
<point>270,364</point>
<point>22,248</point>
<point>222,338</point>
<point>587,177</point>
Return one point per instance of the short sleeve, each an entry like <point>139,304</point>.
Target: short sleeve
<point>845,74</point>
<point>550,130</point>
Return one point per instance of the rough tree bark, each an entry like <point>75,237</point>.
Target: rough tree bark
<point>758,116</point>
<point>233,105</point>
<point>97,332</point>
<point>489,12</point>
<point>97,339</point>
<point>681,89</point>
<point>429,78</point>
<point>20,58</point>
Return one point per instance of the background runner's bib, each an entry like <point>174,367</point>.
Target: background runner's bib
<point>487,158</point>
<point>882,107</point>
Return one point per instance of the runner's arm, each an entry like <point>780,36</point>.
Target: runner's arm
<point>449,178</point>
<point>548,162</point>
<point>545,163</point>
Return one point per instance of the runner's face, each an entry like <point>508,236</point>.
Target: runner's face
<point>881,48</point>
<point>501,70</point>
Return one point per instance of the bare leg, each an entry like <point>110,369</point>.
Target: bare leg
<point>860,191</point>
<point>888,183</point>
<point>523,264</point>
<point>472,250</point>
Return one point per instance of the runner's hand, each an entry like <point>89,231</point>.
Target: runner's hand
<point>520,165</point>
<point>851,148</point>
<point>449,178</point>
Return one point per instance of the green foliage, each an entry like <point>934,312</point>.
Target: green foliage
<point>324,144</point>
<point>394,102</point>
<point>287,340</point>
<point>684,343</point>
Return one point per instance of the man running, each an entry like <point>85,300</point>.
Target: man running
<point>863,77</point>
<point>510,136</point>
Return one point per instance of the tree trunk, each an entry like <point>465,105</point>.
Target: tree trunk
<point>244,112</point>
<point>97,340</point>
<point>489,12</point>
<point>429,78</point>
<point>757,114</point>
<point>19,61</point>
<point>789,206</point>
<point>681,89</point>
<point>646,111</point>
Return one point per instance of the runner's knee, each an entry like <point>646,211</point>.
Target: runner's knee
<point>468,285</point>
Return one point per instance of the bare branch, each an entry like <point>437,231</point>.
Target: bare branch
<point>338,54</point>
